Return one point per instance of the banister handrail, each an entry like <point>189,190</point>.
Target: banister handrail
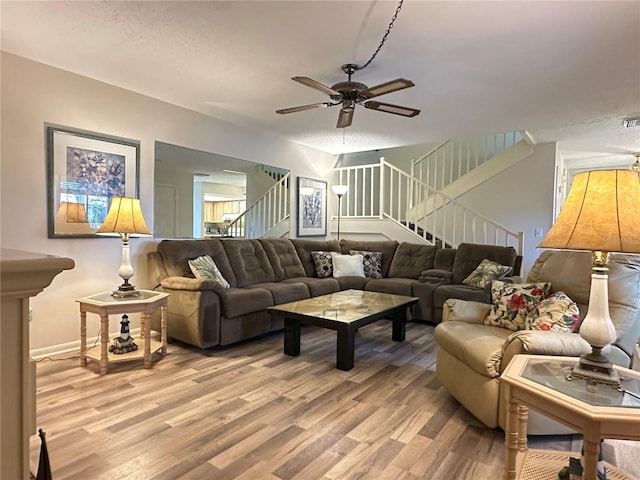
<point>273,215</point>
<point>398,193</point>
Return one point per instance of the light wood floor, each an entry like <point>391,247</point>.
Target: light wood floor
<point>249,412</point>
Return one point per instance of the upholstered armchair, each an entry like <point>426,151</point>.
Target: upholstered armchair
<point>472,355</point>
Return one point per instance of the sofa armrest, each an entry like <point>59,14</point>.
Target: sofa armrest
<point>464,311</point>
<point>538,342</point>
<point>436,275</point>
<point>191,284</point>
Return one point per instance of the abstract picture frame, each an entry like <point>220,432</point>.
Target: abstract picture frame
<point>84,171</point>
<point>312,208</point>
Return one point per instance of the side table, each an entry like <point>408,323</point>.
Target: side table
<point>104,304</point>
<point>597,411</point>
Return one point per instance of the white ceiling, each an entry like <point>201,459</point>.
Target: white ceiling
<point>566,71</point>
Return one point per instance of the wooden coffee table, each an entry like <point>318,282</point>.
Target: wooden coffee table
<point>343,312</point>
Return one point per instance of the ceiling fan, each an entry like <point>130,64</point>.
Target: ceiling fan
<point>349,94</point>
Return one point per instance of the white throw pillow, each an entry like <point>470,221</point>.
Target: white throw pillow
<point>347,265</point>
<point>205,267</point>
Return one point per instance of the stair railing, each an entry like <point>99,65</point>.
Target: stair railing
<point>264,214</point>
<point>453,159</point>
<point>385,191</point>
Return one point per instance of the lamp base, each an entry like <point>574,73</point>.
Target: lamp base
<point>125,290</point>
<point>595,368</point>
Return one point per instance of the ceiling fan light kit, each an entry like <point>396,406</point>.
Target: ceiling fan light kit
<point>349,94</point>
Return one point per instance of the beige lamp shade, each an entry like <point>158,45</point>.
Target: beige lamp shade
<point>71,212</point>
<point>601,213</point>
<point>124,216</point>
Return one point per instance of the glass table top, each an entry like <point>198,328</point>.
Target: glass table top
<point>553,374</point>
<point>345,306</point>
<point>106,297</point>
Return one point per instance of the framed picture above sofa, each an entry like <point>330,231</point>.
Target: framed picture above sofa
<point>312,208</point>
<point>84,171</point>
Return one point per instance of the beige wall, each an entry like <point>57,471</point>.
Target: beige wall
<point>33,94</point>
<point>520,198</point>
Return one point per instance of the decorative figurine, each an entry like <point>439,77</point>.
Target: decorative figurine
<point>124,343</point>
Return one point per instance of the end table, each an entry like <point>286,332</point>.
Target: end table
<point>597,411</point>
<point>104,304</point>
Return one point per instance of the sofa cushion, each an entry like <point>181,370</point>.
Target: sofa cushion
<point>486,272</point>
<point>347,265</point>
<point>444,292</point>
<point>371,262</point>
<point>557,313</point>
<point>305,247</point>
<point>397,286</point>
<point>323,262</point>
<point>205,267</point>
<point>444,258</point>
<point>476,345</point>
<point>317,286</point>
<point>242,301</point>
<point>386,247</point>
<point>353,283</point>
<point>411,259</point>
<point>283,257</point>
<point>283,292</point>
<point>249,261</point>
<point>512,302</point>
<point>469,256</point>
<point>176,254</point>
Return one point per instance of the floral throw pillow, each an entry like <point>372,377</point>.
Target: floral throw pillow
<point>557,313</point>
<point>205,267</point>
<point>323,263</point>
<point>485,273</point>
<point>512,302</point>
<point>371,262</point>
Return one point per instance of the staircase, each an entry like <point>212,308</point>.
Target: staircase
<point>268,216</point>
<point>425,203</point>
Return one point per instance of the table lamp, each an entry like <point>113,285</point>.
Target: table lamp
<point>125,218</point>
<point>601,215</point>
<point>339,190</point>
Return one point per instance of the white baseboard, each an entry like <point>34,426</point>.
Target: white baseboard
<point>62,348</point>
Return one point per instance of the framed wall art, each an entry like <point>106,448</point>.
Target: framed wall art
<point>312,208</point>
<point>84,171</point>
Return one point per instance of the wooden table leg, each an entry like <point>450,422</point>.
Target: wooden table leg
<point>104,342</point>
<point>291,337</point>
<point>399,325</point>
<point>83,338</point>
<point>590,450</point>
<point>510,436</point>
<point>523,419</point>
<point>345,349</point>
<point>145,323</point>
<point>163,328</point>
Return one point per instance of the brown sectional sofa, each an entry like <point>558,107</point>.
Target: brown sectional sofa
<point>270,271</point>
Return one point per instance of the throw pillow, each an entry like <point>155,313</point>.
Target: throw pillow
<point>323,263</point>
<point>485,273</point>
<point>557,313</point>
<point>371,263</point>
<point>512,302</point>
<point>347,265</point>
<point>205,267</point>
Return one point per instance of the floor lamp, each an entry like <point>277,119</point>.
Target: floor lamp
<point>339,190</point>
<point>600,215</point>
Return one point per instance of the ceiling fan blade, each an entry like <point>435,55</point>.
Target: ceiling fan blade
<point>345,118</point>
<point>395,109</point>
<point>387,87</point>
<point>309,82</point>
<point>303,107</point>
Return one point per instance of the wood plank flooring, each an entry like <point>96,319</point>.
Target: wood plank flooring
<point>249,412</point>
